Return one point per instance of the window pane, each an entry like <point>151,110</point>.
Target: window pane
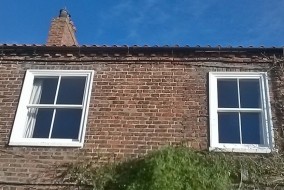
<point>71,90</point>
<point>43,91</point>
<point>227,93</point>
<point>251,128</point>
<point>39,122</point>
<point>67,123</point>
<point>228,127</point>
<point>250,93</point>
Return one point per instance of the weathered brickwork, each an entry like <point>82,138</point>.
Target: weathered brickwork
<point>62,31</point>
<point>138,103</point>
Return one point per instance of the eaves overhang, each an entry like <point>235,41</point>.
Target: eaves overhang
<point>124,49</point>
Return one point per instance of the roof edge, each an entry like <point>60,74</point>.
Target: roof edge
<point>24,48</point>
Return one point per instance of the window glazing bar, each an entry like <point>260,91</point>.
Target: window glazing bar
<point>239,110</point>
<point>54,106</point>
<point>54,111</point>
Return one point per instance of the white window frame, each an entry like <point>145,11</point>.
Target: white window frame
<point>18,131</point>
<point>267,127</point>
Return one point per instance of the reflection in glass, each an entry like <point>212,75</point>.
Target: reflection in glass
<point>249,93</point>
<point>227,93</point>
<point>66,123</point>
<point>251,128</point>
<point>229,131</point>
<point>71,90</point>
<point>44,90</point>
<point>39,122</point>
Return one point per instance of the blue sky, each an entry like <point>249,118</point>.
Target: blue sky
<point>161,22</point>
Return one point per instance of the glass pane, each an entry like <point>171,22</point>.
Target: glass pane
<point>71,90</point>
<point>227,93</point>
<point>67,123</point>
<point>250,93</point>
<point>39,122</point>
<point>43,91</point>
<point>251,128</point>
<point>229,131</point>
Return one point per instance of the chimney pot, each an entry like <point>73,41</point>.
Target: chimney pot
<point>63,13</point>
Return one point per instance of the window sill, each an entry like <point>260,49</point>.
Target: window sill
<point>259,150</point>
<point>40,143</point>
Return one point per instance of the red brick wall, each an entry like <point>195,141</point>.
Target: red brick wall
<point>62,32</point>
<point>137,105</point>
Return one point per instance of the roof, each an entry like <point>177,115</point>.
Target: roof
<point>179,46</point>
<point>148,46</point>
<point>125,49</point>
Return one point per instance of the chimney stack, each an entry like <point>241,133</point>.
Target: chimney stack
<point>62,30</point>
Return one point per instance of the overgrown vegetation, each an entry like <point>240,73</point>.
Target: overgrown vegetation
<point>180,168</point>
